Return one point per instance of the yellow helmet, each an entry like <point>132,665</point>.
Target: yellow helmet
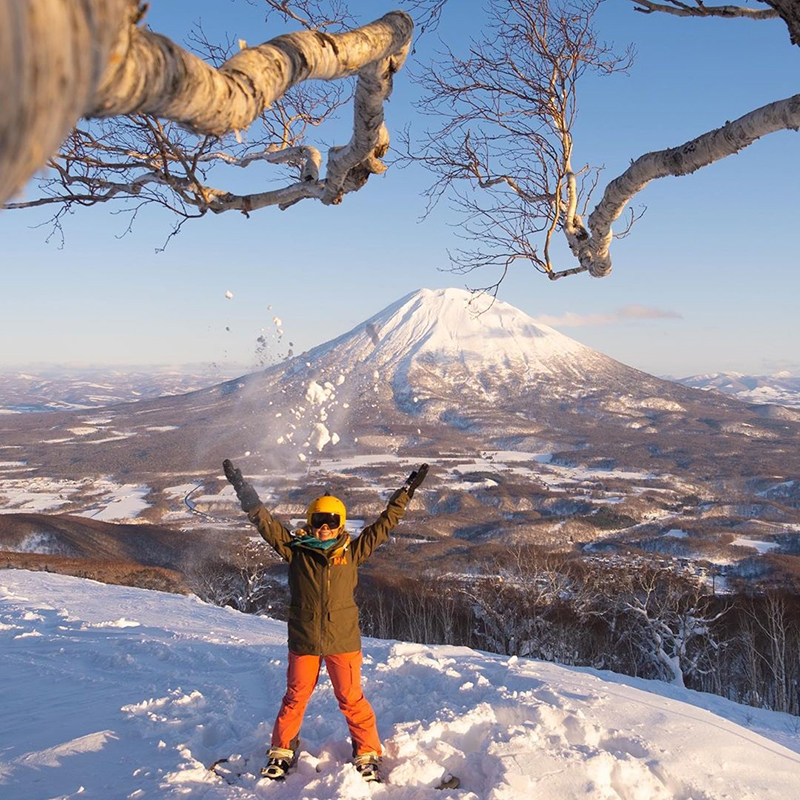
<point>329,506</point>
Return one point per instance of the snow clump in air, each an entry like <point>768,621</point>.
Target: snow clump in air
<point>320,436</point>
<point>229,295</point>
<point>317,394</point>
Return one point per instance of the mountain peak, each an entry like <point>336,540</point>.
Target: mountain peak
<point>455,324</point>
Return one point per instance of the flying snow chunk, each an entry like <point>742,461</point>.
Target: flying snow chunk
<point>247,453</point>
<point>335,439</point>
<point>320,436</point>
<point>277,321</point>
<point>376,375</point>
<point>229,295</point>
<point>301,456</point>
<point>316,394</point>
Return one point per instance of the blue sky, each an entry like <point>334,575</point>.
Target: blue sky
<point>715,251</point>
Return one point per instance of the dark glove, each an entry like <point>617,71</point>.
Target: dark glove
<point>244,491</point>
<point>415,479</point>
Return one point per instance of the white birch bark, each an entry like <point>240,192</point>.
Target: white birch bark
<point>53,54</point>
<point>87,58</point>
<point>157,77</point>
<point>591,247</point>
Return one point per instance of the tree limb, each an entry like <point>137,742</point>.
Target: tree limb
<point>155,76</point>
<point>52,57</point>
<point>592,250</point>
<point>141,76</point>
<point>680,9</point>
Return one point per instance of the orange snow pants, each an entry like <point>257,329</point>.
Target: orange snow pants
<point>345,673</point>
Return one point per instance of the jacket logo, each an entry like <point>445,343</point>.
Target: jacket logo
<point>339,561</point>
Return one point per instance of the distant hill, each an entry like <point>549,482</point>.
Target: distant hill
<point>428,374</point>
<point>532,437</point>
<point>65,389</point>
<point>781,388</point>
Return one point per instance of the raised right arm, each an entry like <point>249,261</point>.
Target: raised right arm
<point>272,532</point>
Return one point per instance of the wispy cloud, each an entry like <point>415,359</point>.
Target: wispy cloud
<point>572,320</point>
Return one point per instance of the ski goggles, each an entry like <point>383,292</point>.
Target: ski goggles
<point>321,518</point>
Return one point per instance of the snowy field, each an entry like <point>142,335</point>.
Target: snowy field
<point>99,498</point>
<point>113,692</point>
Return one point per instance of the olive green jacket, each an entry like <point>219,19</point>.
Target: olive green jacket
<point>323,615</point>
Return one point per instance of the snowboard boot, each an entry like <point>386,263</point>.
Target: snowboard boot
<point>368,765</point>
<point>280,762</point>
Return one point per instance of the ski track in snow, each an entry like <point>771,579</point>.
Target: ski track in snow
<point>114,692</point>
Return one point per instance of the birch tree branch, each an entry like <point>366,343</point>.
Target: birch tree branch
<point>138,75</point>
<point>53,54</point>
<point>155,76</point>
<point>700,9</point>
<point>592,249</point>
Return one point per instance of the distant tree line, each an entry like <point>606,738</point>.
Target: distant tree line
<point>647,622</point>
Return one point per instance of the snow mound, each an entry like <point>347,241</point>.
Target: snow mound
<point>99,710</point>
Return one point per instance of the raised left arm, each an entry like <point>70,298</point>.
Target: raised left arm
<point>376,534</point>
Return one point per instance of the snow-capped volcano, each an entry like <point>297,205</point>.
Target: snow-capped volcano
<point>435,351</point>
<point>445,325</point>
<point>430,373</point>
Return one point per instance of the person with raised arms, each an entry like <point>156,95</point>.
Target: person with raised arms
<point>323,616</point>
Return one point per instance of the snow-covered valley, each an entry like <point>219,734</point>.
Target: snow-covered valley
<point>114,692</point>
<point>532,437</point>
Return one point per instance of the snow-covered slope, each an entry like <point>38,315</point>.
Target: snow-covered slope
<point>782,388</point>
<point>429,375</point>
<point>446,324</point>
<point>113,692</point>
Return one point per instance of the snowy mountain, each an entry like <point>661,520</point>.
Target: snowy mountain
<point>64,389</point>
<point>114,692</point>
<point>782,388</point>
<point>531,436</point>
<point>428,372</point>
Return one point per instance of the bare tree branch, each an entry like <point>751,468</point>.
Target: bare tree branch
<point>700,9</point>
<point>504,150</point>
<point>593,250</point>
<point>148,77</point>
<point>504,153</point>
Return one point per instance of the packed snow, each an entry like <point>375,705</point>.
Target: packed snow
<point>114,692</point>
<point>124,503</point>
<point>99,498</point>
<point>755,544</point>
